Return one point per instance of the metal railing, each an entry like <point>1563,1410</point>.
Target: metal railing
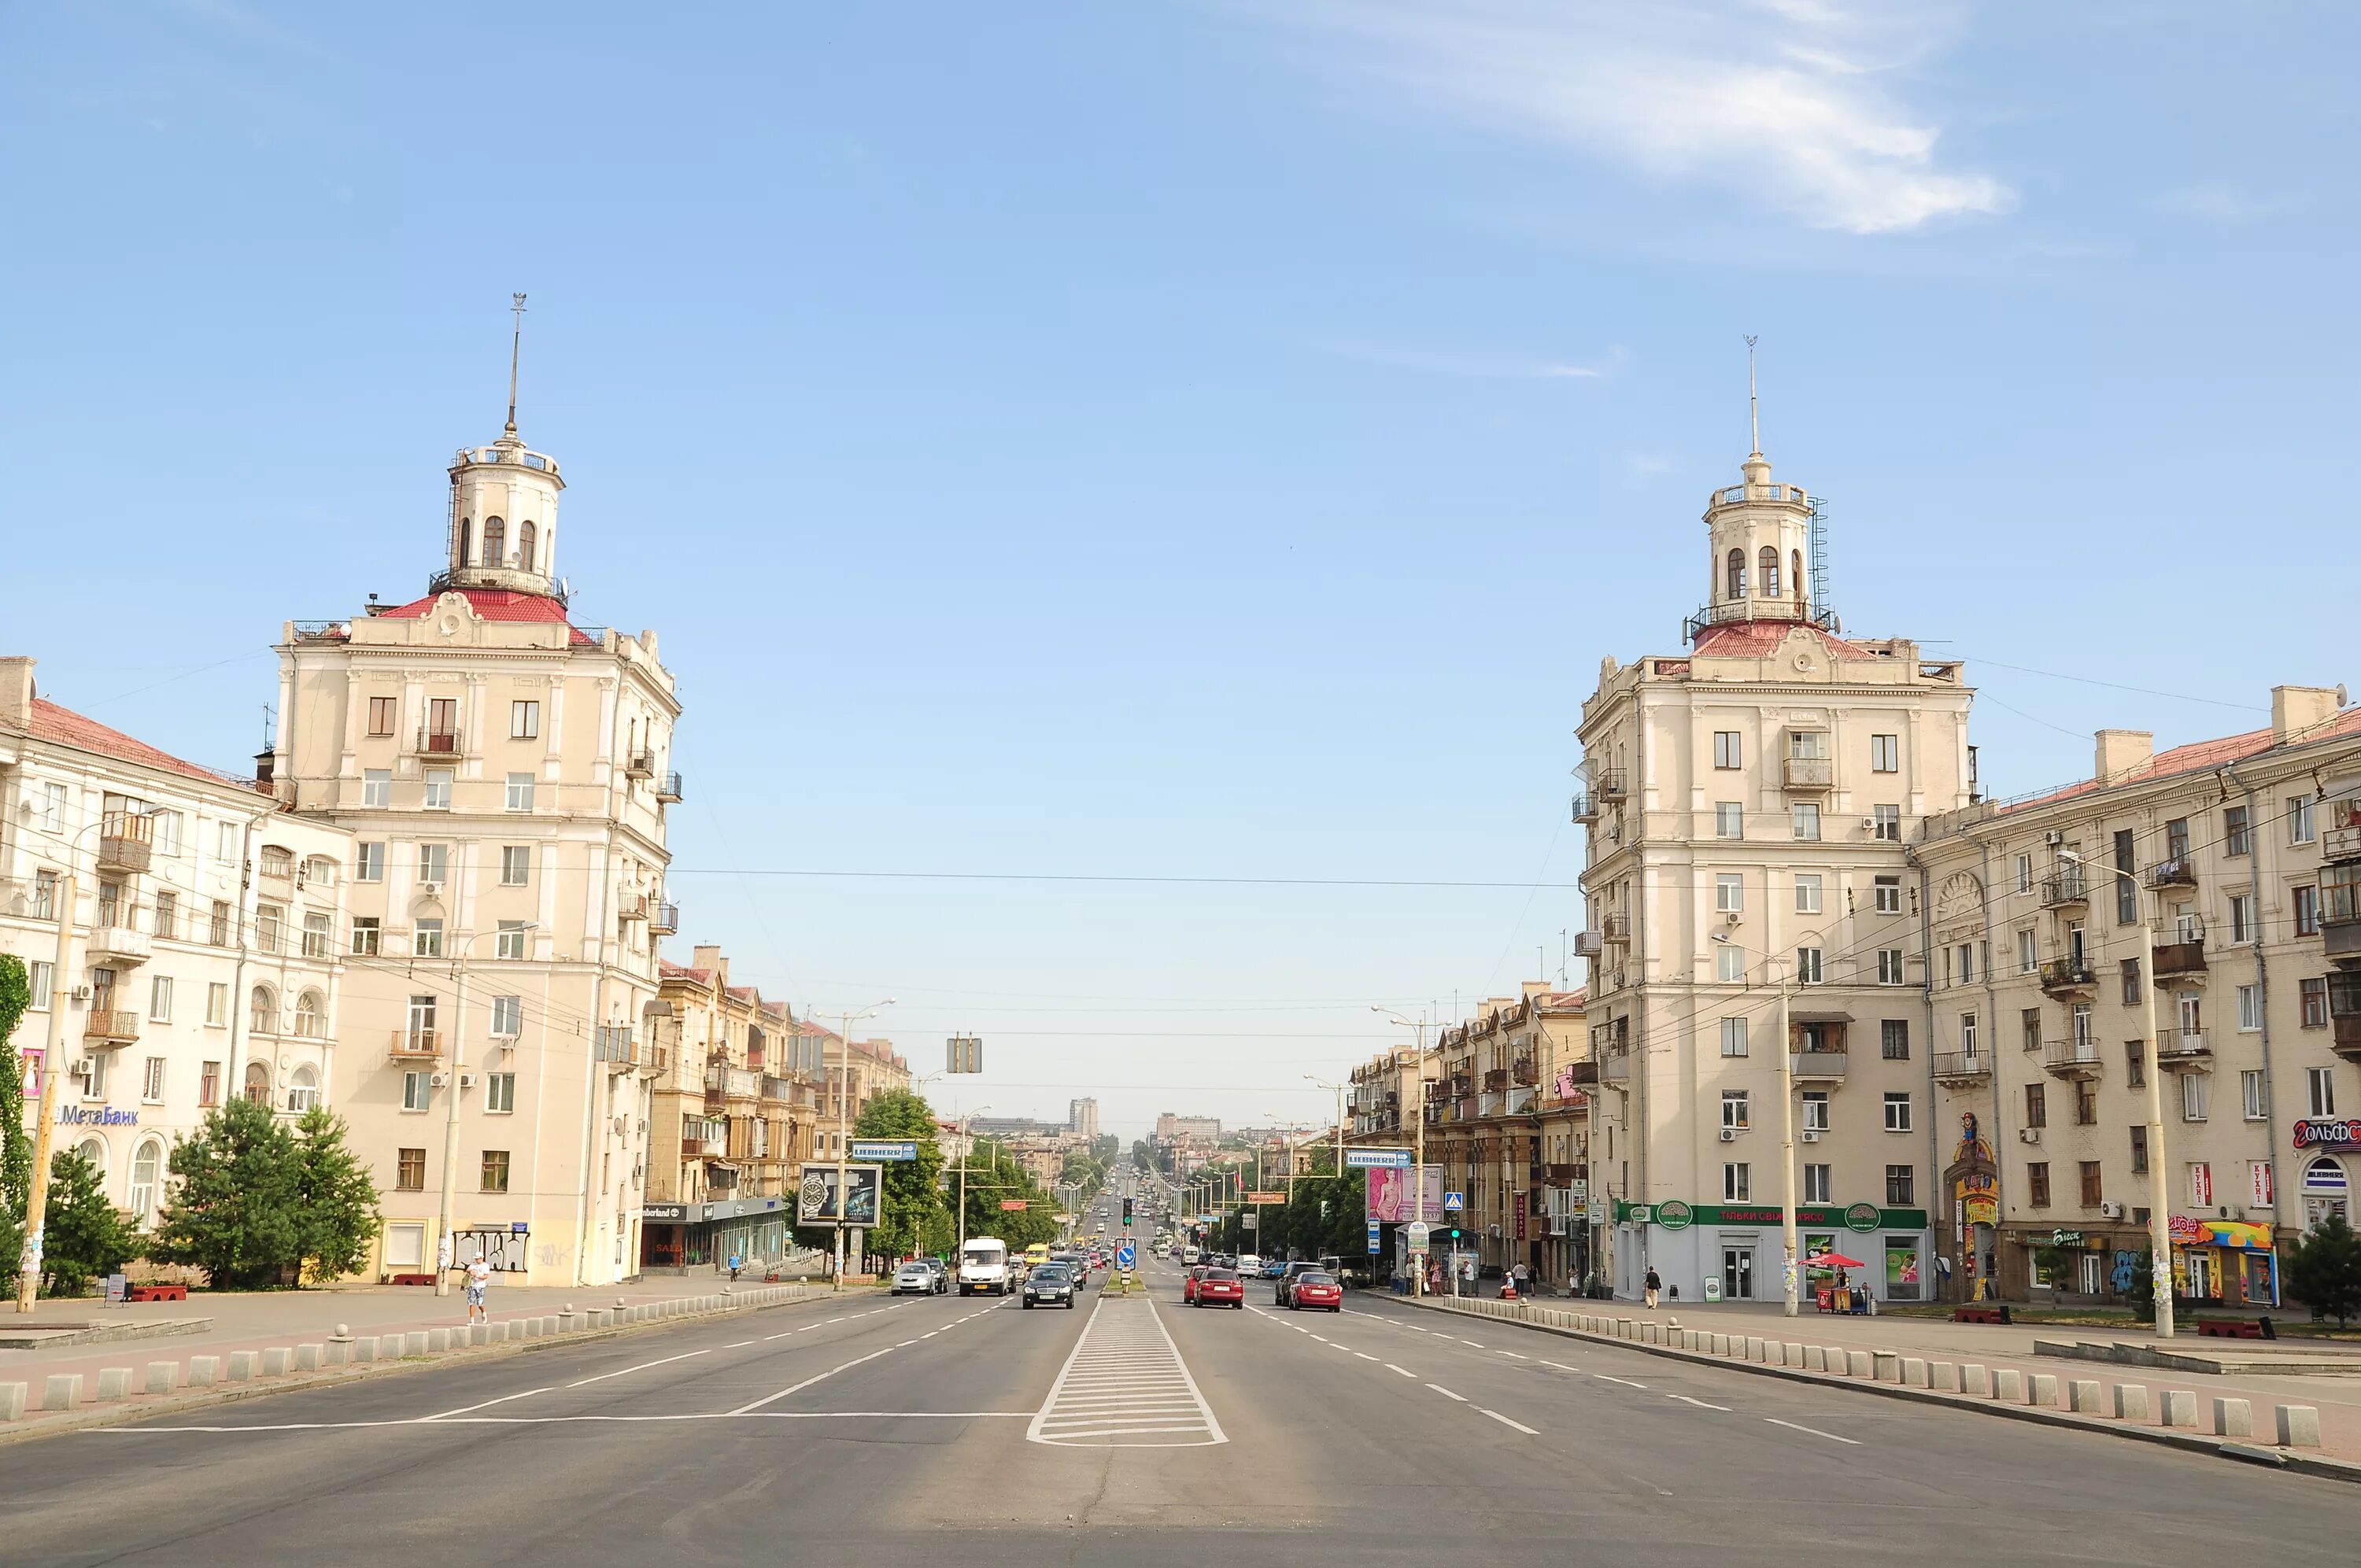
<point>2066,975</point>
<point>668,787</point>
<point>2061,888</point>
<point>2071,1056</point>
<point>2180,958</point>
<point>1955,1066</point>
<point>416,1043</point>
<point>127,841</point>
<point>112,1026</point>
<point>2175,872</point>
<point>437,743</point>
<point>1811,773</point>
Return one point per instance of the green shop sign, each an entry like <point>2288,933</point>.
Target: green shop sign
<point>1671,1214</point>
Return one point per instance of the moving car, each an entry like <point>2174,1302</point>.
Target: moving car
<point>1189,1255</point>
<point>1189,1284</point>
<point>1221,1288</point>
<point>1274,1268</point>
<point>983,1267</point>
<point>1051,1284</point>
<point>920,1276</point>
<point>1286,1285</point>
<point>1249,1266</point>
<point>1315,1289</point>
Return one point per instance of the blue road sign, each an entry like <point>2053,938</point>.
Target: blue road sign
<point>1373,1235</point>
<point>1124,1256</point>
<point>1454,1201</point>
<point>872,1151</point>
<point>1377,1159</point>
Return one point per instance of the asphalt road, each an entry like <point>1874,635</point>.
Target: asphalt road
<point>1130,1430</point>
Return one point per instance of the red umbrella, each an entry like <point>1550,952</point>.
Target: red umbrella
<point>1833,1260</point>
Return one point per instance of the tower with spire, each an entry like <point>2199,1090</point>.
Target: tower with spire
<point>1759,542</point>
<point>504,506</point>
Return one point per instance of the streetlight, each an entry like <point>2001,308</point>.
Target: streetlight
<point>1323,1083</point>
<point>843,1127</point>
<point>1788,1305</point>
<point>2160,1216</point>
<point>1418,1136</point>
<point>451,1110</point>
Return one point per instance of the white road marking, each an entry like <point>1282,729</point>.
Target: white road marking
<point>1852,1442</point>
<point>796,1388</point>
<point>569,1421</point>
<point>1403,1370</point>
<point>1447,1393</point>
<point>1124,1382</point>
<point>643,1366</point>
<point>1507,1422</point>
<point>487,1404</point>
<point>1701,1404</point>
<point>739,1346</point>
<point>1478,1343</point>
<point>1561,1365</point>
<point>1365,1355</point>
<point>1625,1381</point>
<point>1513,1354</point>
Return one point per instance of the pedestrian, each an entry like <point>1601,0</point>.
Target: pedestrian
<point>479,1281</point>
<point>1524,1282</point>
<point>736,1262</point>
<point>1654,1284</point>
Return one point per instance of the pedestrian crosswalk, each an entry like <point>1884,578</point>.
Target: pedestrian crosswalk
<point>1125,1387</point>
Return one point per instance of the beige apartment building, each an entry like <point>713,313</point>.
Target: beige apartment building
<point>2046,1029</point>
<point>503,774</point>
<point>1749,803</point>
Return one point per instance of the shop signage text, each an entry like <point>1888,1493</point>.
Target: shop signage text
<point>2328,1131</point>
<point>1671,1214</point>
<point>95,1116</point>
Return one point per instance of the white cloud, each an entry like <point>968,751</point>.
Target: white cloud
<point>1785,102</point>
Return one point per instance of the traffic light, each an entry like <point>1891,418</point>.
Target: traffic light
<point>1126,1211</point>
<point>1454,1233</point>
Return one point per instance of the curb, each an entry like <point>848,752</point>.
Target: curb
<point>31,1428</point>
<point>2210,1445</point>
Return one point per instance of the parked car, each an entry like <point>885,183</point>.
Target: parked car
<point>1285,1289</point>
<point>1051,1284</point>
<point>1221,1288</point>
<point>1273,1267</point>
<point>1315,1289</point>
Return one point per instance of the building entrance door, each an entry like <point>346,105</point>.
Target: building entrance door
<point>1738,1274</point>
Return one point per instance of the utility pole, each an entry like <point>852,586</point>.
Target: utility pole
<point>844,1131</point>
<point>37,1201</point>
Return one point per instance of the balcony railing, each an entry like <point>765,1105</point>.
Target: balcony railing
<point>1615,1066</point>
<point>663,918</point>
<point>779,1088</point>
<point>436,743</point>
<point>2345,1035</point>
<point>416,1045</point>
<point>1961,1067</point>
<point>2341,843</point>
<point>2062,889</point>
<point>1525,1070</point>
<point>640,766</point>
<point>2188,1049</point>
<point>1496,1078</point>
<point>1618,928</point>
<point>1818,1064</point>
<point>127,841</point>
<point>1589,944</point>
<point>2175,872</point>
<point>1811,773</point>
<point>110,1026</point>
<point>2073,1058</point>
<point>119,944</point>
<point>668,789</point>
<point>632,909</point>
<point>2180,958</point>
<point>1585,809</point>
<point>2068,974</point>
<point>1608,783</point>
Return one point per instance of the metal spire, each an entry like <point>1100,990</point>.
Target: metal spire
<point>1753,409</point>
<point>516,342</point>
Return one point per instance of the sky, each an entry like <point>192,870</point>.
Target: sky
<point>1211,443</point>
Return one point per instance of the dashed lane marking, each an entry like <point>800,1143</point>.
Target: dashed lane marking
<point>1403,1370</point>
<point>1625,1381</point>
<point>1447,1393</point>
<point>1701,1404</point>
<point>799,1387</point>
<point>1850,1443</point>
<point>1505,1421</point>
<point>643,1366</point>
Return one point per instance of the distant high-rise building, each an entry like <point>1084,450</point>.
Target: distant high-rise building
<point>1082,1117</point>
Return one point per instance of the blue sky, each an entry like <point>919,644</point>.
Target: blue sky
<point>1194,440</point>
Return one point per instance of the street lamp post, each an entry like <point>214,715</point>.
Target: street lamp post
<point>37,1197</point>
<point>451,1107</point>
<point>1339,1088</point>
<point>843,1127</point>
<point>1418,1145</point>
<point>967,1148</point>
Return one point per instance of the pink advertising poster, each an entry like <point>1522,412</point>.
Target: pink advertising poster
<point>1390,1195</point>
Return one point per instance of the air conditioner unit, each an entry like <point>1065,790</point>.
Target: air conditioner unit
<point>466,1081</point>
<point>622,1125</point>
<point>81,993</point>
<point>1730,1135</point>
<point>1729,917</point>
<point>2029,1134</point>
<point>1811,1135</point>
<point>83,1067</point>
<point>2053,838</point>
<point>439,1080</point>
<point>2112,1211</point>
<point>430,889</point>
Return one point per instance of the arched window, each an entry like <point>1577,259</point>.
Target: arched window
<point>1769,584</point>
<point>1737,590</point>
<point>466,542</point>
<point>1796,558</point>
<point>320,872</point>
<point>496,539</point>
<point>147,1164</point>
<point>303,1089</point>
<point>310,1020</point>
<point>265,1011</point>
<point>94,1150</point>
<point>257,1083</point>
<point>524,546</point>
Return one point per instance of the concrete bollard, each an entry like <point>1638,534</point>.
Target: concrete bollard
<point>2234,1417</point>
<point>12,1402</point>
<point>2082,1397</point>
<point>244,1365</point>
<point>163,1376</point>
<point>1943,1376</point>
<point>2041,1388</point>
<point>2008,1385</point>
<point>340,1352</point>
<point>364,1349</point>
<point>598,1316</point>
<point>1815,1358</point>
<point>1889,1366</point>
<point>1914,1371</point>
<point>392,1347</point>
<point>531,1328</point>
<point>310,1357</point>
<point>62,1391</point>
<point>566,1322</point>
<point>2298,1425</point>
<point>2131,1401</point>
<point>416,1341</point>
<point>1975,1380</point>
<point>115,1382</point>
<point>1791,1354</point>
<point>204,1371</point>
<point>2176,1408</point>
<point>1859,1363</point>
<point>437,1340</point>
<point>496,1334</point>
<point>278,1361</point>
<point>550,1325</point>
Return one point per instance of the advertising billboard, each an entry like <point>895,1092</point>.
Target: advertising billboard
<point>1392,1197</point>
<point>817,1196</point>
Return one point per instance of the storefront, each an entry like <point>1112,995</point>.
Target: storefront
<point>2089,1263</point>
<point>678,1237</point>
<point>1734,1252</point>
<point>2224,1263</point>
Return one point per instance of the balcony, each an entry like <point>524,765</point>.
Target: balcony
<point>2179,959</point>
<point>2061,977</point>
<point>1962,1070</point>
<point>1526,1071</point>
<point>1434,1115</point>
<point>1579,1073</point>
<point>1610,783</point>
<point>668,789</point>
<point>2340,841</point>
<point>1586,808</point>
<point>2064,889</point>
<point>1811,773</point>
<point>611,1044</point>
<point>780,1090</point>
<point>663,918</point>
<point>1463,1083</point>
<point>2344,1036</point>
<point>640,766</point>
<point>1618,929</point>
<point>436,743</point>
<point>713,1147</point>
<point>2175,872</point>
<point>1821,1065</point>
<point>1615,1066</point>
<point>2184,1051</point>
<point>416,1045</point>
<point>118,945</point>
<point>107,1027</point>
<point>127,841</point>
<point>1496,1079</point>
<point>1589,944</point>
<point>632,909</point>
<point>2073,1058</point>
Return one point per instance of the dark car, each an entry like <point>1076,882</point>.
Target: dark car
<point>1051,1284</point>
<point>1284,1291</point>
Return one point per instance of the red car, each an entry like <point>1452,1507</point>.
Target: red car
<point>1189,1284</point>
<point>1221,1288</point>
<point>1316,1290</point>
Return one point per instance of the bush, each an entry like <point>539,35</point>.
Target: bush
<point>2324,1270</point>
<point>232,1212</point>
<point>83,1236</point>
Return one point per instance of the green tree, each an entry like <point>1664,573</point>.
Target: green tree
<point>994,1176</point>
<point>83,1236</point>
<point>15,1145</point>
<point>232,1212</point>
<point>335,1199</point>
<point>912,1198</point>
<point>2324,1270</point>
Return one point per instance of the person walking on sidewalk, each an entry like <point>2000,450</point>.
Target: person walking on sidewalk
<point>1654,1284</point>
<point>480,1282</point>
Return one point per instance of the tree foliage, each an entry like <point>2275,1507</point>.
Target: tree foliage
<point>253,1204</point>
<point>83,1236</point>
<point>15,1145</point>
<point>335,1199</point>
<point>911,1197</point>
<point>2324,1270</point>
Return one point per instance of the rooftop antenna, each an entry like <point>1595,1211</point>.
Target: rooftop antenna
<point>516,305</point>
<point>1753,409</point>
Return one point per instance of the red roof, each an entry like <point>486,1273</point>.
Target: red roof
<point>667,969</point>
<point>63,725</point>
<point>496,604</point>
<point>1760,638</point>
<point>2199,756</point>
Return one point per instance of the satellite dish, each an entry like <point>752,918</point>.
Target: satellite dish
<point>2340,699</point>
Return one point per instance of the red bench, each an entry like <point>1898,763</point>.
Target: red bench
<point>425,1279</point>
<point>1995,1314</point>
<point>2236,1328</point>
<point>157,1293</point>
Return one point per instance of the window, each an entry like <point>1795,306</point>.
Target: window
<point>263,1011</point>
<point>496,1170</point>
<point>1887,821</point>
<point>257,1083</point>
<point>417,1091</point>
<point>2093,1194</point>
<point>2086,1104</point>
<point>2307,909</point>
<point>383,711</point>
<point>2036,1105</point>
<point>2258,1183</point>
<point>2250,1010</point>
<point>2036,1184</point>
<point>2320,1090</point>
<point>426,939</point>
<point>45,895</point>
<point>1889,895</point>
<point>1901,1186</point>
<point>1737,1184</point>
<point>1889,966</point>
<point>2135,1063</point>
<point>1808,894</point>
<point>1728,962</point>
<point>94,1086</point>
<point>377,787</point>
<point>316,936</point>
<point>2175,838</point>
<point>2025,873</point>
<point>499,1092</point>
<point>1807,966</point>
<point>1767,568</point>
<point>1806,816</point>
<point>217,1005</point>
<point>267,919</point>
<point>368,862</point>
<point>37,975</point>
<point>209,1080</point>
<point>1893,1036</point>
<point>53,808</point>
<point>151,1081</point>
<point>1816,1185</point>
<point>1816,1109</point>
<point>2080,1019</point>
<point>226,847</point>
<point>168,914</point>
<point>1726,749</point>
<point>438,787</point>
<point>2139,1151</point>
<point>2027,960</point>
<point>524,720</point>
<point>1885,754</point>
<point>1734,1109</point>
<point>507,1017</point>
<point>159,999</point>
<point>2299,819</point>
<point>520,792</point>
<point>1897,1112</point>
<point>2313,995</point>
<point>1807,745</point>
<point>2193,1099</point>
<point>303,1089</point>
<point>1735,575</point>
<point>311,1014</point>
<point>516,865</point>
<point>410,1170</point>
<point>2237,836</point>
<point>524,546</point>
<point>2242,917</point>
<point>2130,975</point>
<point>2250,1094</point>
<point>146,1166</point>
<point>1733,1036</point>
<point>1728,820</point>
<point>509,942</point>
<point>435,863</point>
<point>2126,890</point>
<point>367,936</point>
<point>1965,954</point>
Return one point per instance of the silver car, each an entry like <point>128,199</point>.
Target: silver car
<point>917,1279</point>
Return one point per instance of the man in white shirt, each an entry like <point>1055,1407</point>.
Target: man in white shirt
<point>479,1280</point>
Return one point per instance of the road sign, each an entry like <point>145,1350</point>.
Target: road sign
<point>871,1150</point>
<point>1453,1202</point>
<point>1373,1236</point>
<point>1266,1197</point>
<point>1377,1159</point>
<point>1419,1231</point>
<point>1013,1205</point>
<point>1124,1256</point>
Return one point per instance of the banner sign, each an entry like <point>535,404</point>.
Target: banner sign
<point>2328,1132</point>
<point>1266,1197</point>
<point>1012,1205</point>
<point>1860,1218</point>
<point>817,1202</point>
<point>1377,1159</point>
<point>1392,1194</point>
<point>870,1150</point>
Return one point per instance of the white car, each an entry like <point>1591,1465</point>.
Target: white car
<point>1249,1265</point>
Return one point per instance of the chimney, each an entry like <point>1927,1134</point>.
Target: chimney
<point>2299,713</point>
<point>265,771</point>
<point>2120,753</point>
<point>1536,988</point>
<point>16,693</point>
<point>709,958</point>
